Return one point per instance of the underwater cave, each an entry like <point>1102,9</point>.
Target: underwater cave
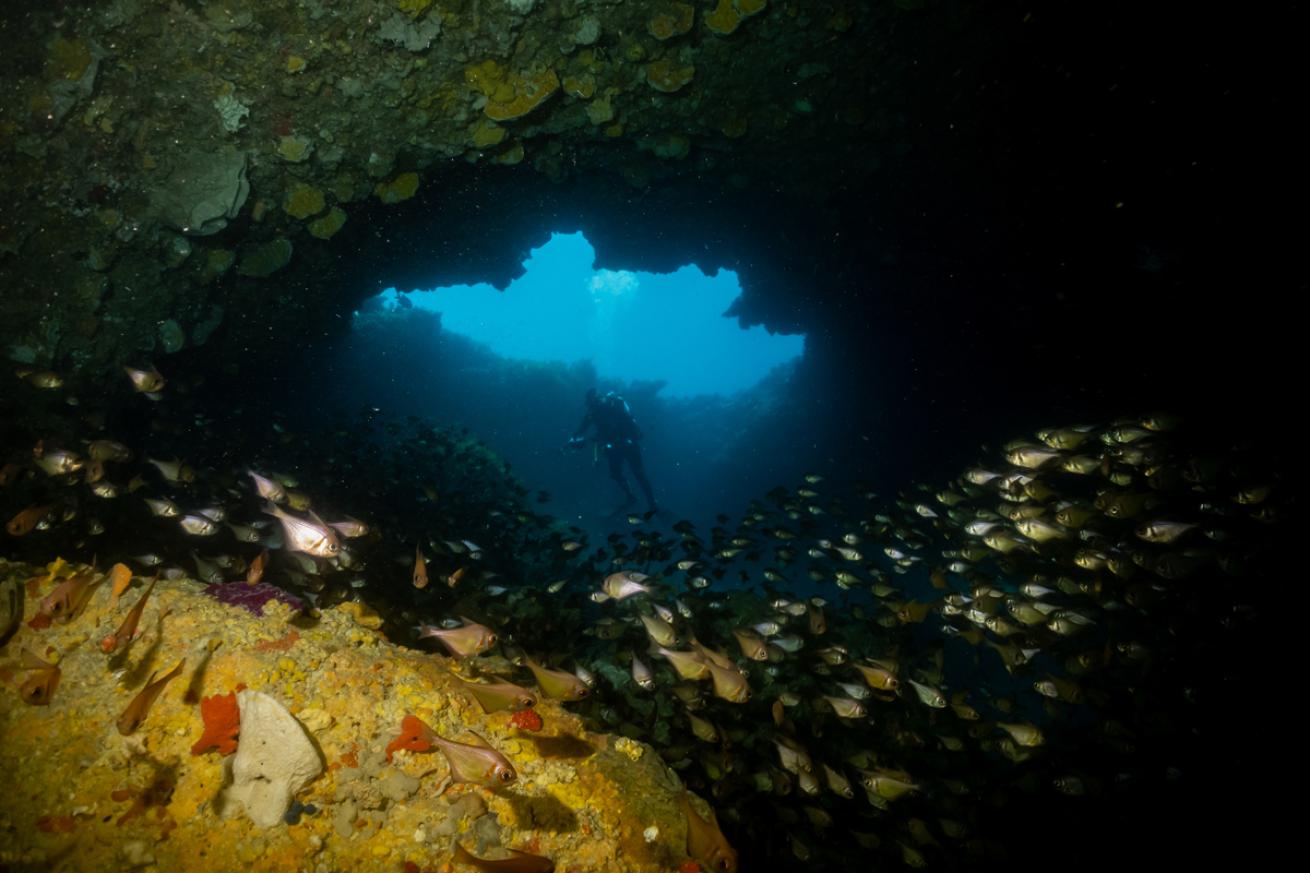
<point>953,343</point>
<point>514,366</point>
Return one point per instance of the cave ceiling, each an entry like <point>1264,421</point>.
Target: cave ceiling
<point>235,175</point>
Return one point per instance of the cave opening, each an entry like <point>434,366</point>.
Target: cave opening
<point>514,366</point>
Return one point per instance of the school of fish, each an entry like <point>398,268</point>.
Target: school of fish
<point>840,671</point>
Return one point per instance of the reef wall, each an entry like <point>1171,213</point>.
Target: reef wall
<point>177,163</point>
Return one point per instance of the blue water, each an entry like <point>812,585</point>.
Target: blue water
<point>633,326</point>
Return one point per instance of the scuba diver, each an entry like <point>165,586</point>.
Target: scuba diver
<point>617,435</point>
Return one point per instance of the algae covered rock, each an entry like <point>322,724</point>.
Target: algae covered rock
<point>231,112</point>
<point>398,189</point>
<point>303,201</point>
<point>274,760</point>
<point>202,191</point>
<point>416,36</point>
<point>266,259</point>
<point>171,337</point>
<point>327,226</point>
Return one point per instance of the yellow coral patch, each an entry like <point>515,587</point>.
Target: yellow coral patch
<point>218,262</point>
<point>631,748</point>
<point>667,76</point>
<point>511,155</point>
<point>55,569</point>
<point>724,19</point>
<point>400,188</point>
<point>343,188</point>
<point>413,8</point>
<point>487,134</point>
<point>363,614</point>
<point>728,14</point>
<point>327,226</point>
<point>295,64</point>
<point>529,93</point>
<point>580,86</point>
<point>675,22</point>
<point>600,110</point>
<point>303,200</point>
<point>68,59</point>
<point>293,148</point>
<point>484,76</point>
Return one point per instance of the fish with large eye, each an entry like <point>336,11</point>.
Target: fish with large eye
<point>465,641</point>
<point>495,697</point>
<point>311,536</point>
<point>477,762</point>
<point>558,684</point>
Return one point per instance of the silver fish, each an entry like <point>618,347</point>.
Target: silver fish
<point>267,488</point>
<point>198,525</point>
<point>244,534</point>
<point>624,584</point>
<point>163,507</point>
<point>641,674</point>
<point>310,536</point>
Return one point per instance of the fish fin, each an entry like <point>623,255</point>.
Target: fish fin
<point>479,741</point>
<point>29,660</point>
<point>515,853</point>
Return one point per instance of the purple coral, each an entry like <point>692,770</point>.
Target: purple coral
<point>252,597</point>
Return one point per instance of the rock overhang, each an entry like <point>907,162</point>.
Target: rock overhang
<point>886,161</point>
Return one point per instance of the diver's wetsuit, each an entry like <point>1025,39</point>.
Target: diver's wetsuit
<point>618,434</point>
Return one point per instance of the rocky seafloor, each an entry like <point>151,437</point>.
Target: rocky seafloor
<point>81,796</point>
